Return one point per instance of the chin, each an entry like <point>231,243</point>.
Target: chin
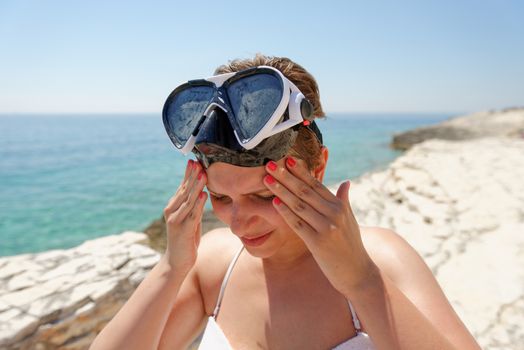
<point>266,250</point>
<point>259,252</point>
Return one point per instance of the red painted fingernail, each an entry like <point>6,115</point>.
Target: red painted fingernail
<point>199,176</point>
<point>306,122</point>
<point>201,195</point>
<point>291,162</point>
<point>277,201</point>
<point>269,179</point>
<point>272,166</point>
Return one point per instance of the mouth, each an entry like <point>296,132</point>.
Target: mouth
<point>256,240</point>
<point>256,237</point>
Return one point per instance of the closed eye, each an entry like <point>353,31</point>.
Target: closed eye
<point>220,198</point>
<point>266,198</point>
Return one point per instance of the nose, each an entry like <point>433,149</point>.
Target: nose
<point>242,220</point>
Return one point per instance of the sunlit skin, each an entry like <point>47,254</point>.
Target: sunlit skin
<point>313,233</point>
<point>245,204</point>
<point>327,230</point>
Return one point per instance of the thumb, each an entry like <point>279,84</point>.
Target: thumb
<point>343,192</point>
<point>198,235</point>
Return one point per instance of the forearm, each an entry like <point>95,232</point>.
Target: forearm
<point>140,322</point>
<point>391,319</point>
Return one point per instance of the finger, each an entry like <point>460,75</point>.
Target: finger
<point>182,187</point>
<point>297,224</point>
<point>343,195</point>
<point>200,209</point>
<point>301,209</point>
<point>195,190</point>
<point>301,188</point>
<point>181,216</point>
<point>343,192</point>
<point>299,168</point>
<point>193,216</point>
<point>189,168</point>
<point>191,188</point>
<point>199,205</point>
<point>198,234</point>
<point>185,188</point>
<point>197,187</point>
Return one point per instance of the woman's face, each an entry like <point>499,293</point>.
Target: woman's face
<point>242,201</point>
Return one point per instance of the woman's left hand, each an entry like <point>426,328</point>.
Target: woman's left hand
<point>325,223</point>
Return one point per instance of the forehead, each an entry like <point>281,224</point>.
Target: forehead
<point>227,178</point>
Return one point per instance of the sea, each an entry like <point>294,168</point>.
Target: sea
<point>67,178</point>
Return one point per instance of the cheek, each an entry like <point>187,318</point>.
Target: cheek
<point>220,211</point>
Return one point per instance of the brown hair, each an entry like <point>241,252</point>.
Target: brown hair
<point>306,146</point>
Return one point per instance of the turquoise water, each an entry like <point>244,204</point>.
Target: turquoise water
<point>68,178</point>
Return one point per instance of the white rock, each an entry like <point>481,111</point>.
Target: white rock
<point>17,327</point>
<point>42,293</point>
<point>461,206</point>
<point>25,296</point>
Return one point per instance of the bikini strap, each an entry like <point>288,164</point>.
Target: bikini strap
<point>224,282</point>
<point>356,322</point>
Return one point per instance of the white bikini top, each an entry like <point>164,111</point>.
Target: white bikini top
<point>215,339</point>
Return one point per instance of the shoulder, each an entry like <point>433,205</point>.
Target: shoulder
<point>408,271</point>
<point>403,265</point>
<point>393,254</point>
<point>383,244</point>
<point>217,248</point>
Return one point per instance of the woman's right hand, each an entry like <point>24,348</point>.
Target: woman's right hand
<point>183,216</point>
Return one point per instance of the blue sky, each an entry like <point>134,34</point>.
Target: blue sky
<point>367,56</point>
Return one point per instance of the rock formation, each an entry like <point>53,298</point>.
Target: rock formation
<point>461,206</point>
<point>505,123</point>
<point>63,298</point>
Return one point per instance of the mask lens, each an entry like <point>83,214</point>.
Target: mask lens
<point>254,99</point>
<point>185,110</point>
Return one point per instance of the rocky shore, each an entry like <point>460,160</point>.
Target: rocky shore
<point>504,123</point>
<point>61,299</point>
<point>461,206</point>
<point>460,203</point>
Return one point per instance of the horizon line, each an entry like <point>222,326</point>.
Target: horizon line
<point>327,113</point>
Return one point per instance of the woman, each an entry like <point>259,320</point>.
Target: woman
<point>300,272</point>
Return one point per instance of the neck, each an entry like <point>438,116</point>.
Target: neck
<point>293,255</point>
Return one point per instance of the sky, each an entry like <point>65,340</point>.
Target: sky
<point>446,56</point>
